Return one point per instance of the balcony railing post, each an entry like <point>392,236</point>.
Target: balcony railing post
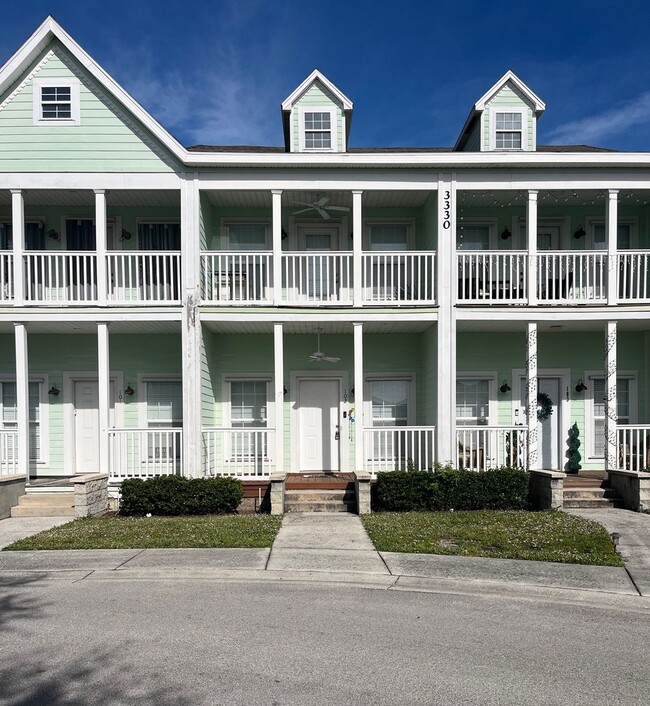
<point>612,246</point>
<point>357,248</point>
<point>18,240</point>
<point>531,230</point>
<point>276,196</point>
<point>100,246</point>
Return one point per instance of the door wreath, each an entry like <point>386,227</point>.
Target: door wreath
<point>544,407</point>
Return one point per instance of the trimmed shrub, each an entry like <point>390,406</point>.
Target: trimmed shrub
<point>448,488</point>
<point>176,495</point>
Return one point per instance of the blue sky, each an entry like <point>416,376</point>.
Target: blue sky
<point>216,72</point>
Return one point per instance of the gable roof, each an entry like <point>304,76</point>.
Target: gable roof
<point>316,75</point>
<point>49,30</point>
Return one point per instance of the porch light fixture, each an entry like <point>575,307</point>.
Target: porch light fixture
<point>505,387</point>
<point>126,235</point>
<point>283,234</point>
<point>52,234</point>
<point>580,387</point>
<point>580,233</point>
<point>506,234</point>
<point>129,391</point>
<point>54,391</point>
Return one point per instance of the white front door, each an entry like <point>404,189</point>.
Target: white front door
<point>548,430</point>
<point>318,420</point>
<point>322,273</point>
<point>86,426</point>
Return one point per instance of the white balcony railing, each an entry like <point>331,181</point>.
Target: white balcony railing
<point>633,442</point>
<point>237,278</point>
<point>633,276</point>
<point>398,278</point>
<point>398,448</point>
<point>317,278</point>
<point>144,277</point>
<point>243,453</point>
<point>486,277</point>
<point>6,276</point>
<point>60,277</point>
<point>572,277</point>
<point>482,447</point>
<point>8,452</point>
<point>144,453</point>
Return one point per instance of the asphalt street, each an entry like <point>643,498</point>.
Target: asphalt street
<point>180,641</point>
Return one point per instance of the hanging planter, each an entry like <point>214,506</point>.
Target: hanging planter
<point>544,407</point>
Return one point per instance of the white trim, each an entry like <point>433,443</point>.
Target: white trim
<point>592,221</point>
<point>493,400</point>
<point>409,222</point>
<point>537,102</point>
<point>492,224</point>
<point>334,128</point>
<point>316,75</point>
<point>227,378</point>
<point>44,414</point>
<point>344,449</point>
<point>411,401</point>
<point>140,397</point>
<point>37,102</point>
<point>589,420</point>
<point>525,146</point>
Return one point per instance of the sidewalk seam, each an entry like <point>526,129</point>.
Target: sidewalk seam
<point>126,561</point>
<point>385,564</point>
<point>627,571</point>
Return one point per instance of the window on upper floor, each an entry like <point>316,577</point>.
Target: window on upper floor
<point>56,102</point>
<point>474,236</point>
<point>317,129</point>
<point>508,129</point>
<point>34,236</point>
<point>247,236</point>
<point>389,236</point>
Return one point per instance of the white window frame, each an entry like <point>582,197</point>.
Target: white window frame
<point>157,221</point>
<point>590,437</point>
<point>62,242</point>
<point>524,128</point>
<point>333,128</point>
<point>43,420</point>
<point>492,225</point>
<point>390,377</point>
<point>145,378</point>
<point>246,377</point>
<point>75,111</point>
<point>493,401</point>
<point>408,222</point>
<point>593,221</point>
<point>224,232</point>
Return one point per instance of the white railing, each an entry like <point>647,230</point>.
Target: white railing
<point>6,276</point>
<point>144,277</point>
<point>398,448</point>
<point>482,447</point>
<point>60,277</point>
<point>144,453</point>
<point>486,277</point>
<point>398,278</point>
<point>633,441</point>
<point>572,277</point>
<point>237,278</point>
<point>633,276</point>
<point>243,453</point>
<point>8,452</point>
<point>317,278</point>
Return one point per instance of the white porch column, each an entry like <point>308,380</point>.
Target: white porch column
<point>357,248</point>
<point>446,326</point>
<point>100,247</point>
<point>276,196</point>
<point>278,386</point>
<point>612,247</point>
<point>104,397</point>
<point>531,231</point>
<point>359,421</point>
<point>531,394</point>
<point>191,344</point>
<point>18,240</point>
<point>22,398</point>
<point>611,414</point>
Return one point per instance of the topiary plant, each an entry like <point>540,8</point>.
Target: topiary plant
<point>573,464</point>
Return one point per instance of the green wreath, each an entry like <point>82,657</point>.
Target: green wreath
<point>544,406</point>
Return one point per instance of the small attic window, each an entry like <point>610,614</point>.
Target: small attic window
<point>317,129</point>
<point>509,130</point>
<point>56,102</point>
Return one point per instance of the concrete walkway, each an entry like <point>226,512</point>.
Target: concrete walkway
<point>330,548</point>
<point>14,528</point>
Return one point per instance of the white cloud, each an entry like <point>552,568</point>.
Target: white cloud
<point>606,124</point>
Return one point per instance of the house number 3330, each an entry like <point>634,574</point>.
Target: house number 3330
<point>446,210</point>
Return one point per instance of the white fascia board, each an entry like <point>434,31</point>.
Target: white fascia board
<point>96,315</point>
<point>540,315</point>
<point>538,103</point>
<point>50,29</point>
<point>90,180</point>
<point>316,75</point>
<point>281,316</point>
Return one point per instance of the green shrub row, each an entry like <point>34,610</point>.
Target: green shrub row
<point>448,488</point>
<point>176,495</point>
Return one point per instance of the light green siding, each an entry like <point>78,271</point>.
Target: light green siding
<point>509,97</point>
<point>107,138</point>
<point>317,96</point>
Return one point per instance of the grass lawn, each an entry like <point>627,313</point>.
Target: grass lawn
<point>114,532</point>
<point>542,536</point>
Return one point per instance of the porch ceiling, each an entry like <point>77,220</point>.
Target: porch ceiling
<point>371,199</point>
<point>509,326</point>
<point>85,197</point>
<point>90,327</point>
<point>326,327</point>
<point>549,197</point>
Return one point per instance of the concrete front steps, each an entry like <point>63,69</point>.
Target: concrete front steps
<point>320,500</point>
<point>43,504</point>
<point>601,498</point>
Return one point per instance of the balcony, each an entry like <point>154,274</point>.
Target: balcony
<point>399,448</point>
<point>144,278</point>
<point>483,447</point>
<point>241,453</point>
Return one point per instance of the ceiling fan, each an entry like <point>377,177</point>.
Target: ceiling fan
<point>320,206</point>
<point>319,357</point>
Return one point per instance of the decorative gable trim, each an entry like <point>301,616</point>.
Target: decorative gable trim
<point>21,86</point>
<point>316,75</point>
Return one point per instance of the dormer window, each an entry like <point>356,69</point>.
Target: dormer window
<point>509,128</point>
<point>56,102</point>
<point>318,129</point>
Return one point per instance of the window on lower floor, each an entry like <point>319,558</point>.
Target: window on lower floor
<point>472,401</point>
<point>248,414</point>
<point>623,388</point>
<point>164,411</point>
<point>9,415</point>
<point>389,403</point>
